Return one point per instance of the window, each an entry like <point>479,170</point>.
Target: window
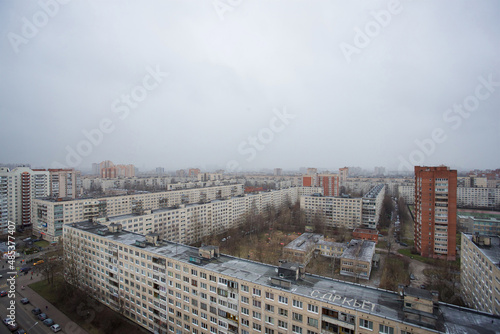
<point>270,295</point>
<point>257,303</point>
<point>282,312</point>
<point>297,303</point>
<point>244,311</point>
<point>256,315</point>
<point>297,317</point>
<point>244,288</point>
<point>257,327</point>
<point>283,300</point>
<point>244,299</point>
<point>383,329</point>
<point>312,322</point>
<point>363,323</point>
<point>296,329</point>
<point>269,308</point>
<point>282,324</point>
<point>256,292</point>
<point>269,319</point>
<point>312,308</point>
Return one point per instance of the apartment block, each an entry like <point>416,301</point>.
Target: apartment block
<point>183,216</point>
<point>65,183</point>
<point>50,214</point>
<point>167,287</point>
<point>473,197</point>
<point>329,182</point>
<point>19,187</point>
<point>480,272</point>
<point>435,212</point>
<point>335,211</point>
<point>346,211</point>
<point>372,205</point>
<point>408,193</point>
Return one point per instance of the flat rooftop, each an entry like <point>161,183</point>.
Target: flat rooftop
<point>362,250</point>
<point>136,192</point>
<point>304,241</point>
<point>491,252</point>
<point>382,303</point>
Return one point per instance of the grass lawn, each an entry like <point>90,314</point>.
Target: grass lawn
<point>407,252</point>
<point>52,295</point>
<point>45,290</point>
<point>42,243</point>
<point>381,244</point>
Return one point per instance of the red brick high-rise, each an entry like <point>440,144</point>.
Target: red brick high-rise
<point>329,182</point>
<point>436,212</point>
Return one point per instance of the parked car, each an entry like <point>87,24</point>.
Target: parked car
<point>13,327</point>
<point>412,277</point>
<point>422,286</point>
<point>25,269</point>
<point>6,321</point>
<point>48,322</point>
<point>403,244</point>
<point>55,328</point>
<point>20,331</point>
<point>3,293</point>
<point>24,301</point>
<point>38,262</point>
<point>36,311</point>
<point>42,316</point>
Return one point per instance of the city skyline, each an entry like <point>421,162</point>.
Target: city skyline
<point>251,85</point>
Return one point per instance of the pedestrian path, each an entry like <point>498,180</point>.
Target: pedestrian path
<point>68,326</point>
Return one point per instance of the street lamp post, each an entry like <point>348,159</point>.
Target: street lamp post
<point>36,323</point>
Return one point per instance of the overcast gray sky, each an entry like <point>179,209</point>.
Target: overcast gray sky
<point>250,84</point>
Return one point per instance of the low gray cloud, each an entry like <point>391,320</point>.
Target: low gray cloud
<point>64,64</point>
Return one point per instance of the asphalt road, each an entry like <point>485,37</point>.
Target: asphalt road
<point>24,318</point>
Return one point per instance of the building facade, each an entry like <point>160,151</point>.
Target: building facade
<point>181,215</point>
<point>356,261</point>
<point>49,214</point>
<point>345,211</point>
<point>480,272</point>
<point>18,189</point>
<point>435,212</point>
<point>329,182</point>
<point>172,288</point>
<point>65,183</point>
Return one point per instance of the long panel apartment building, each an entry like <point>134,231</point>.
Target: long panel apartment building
<point>50,214</point>
<point>175,214</point>
<point>480,272</point>
<point>345,211</point>
<point>172,288</point>
<point>189,223</point>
